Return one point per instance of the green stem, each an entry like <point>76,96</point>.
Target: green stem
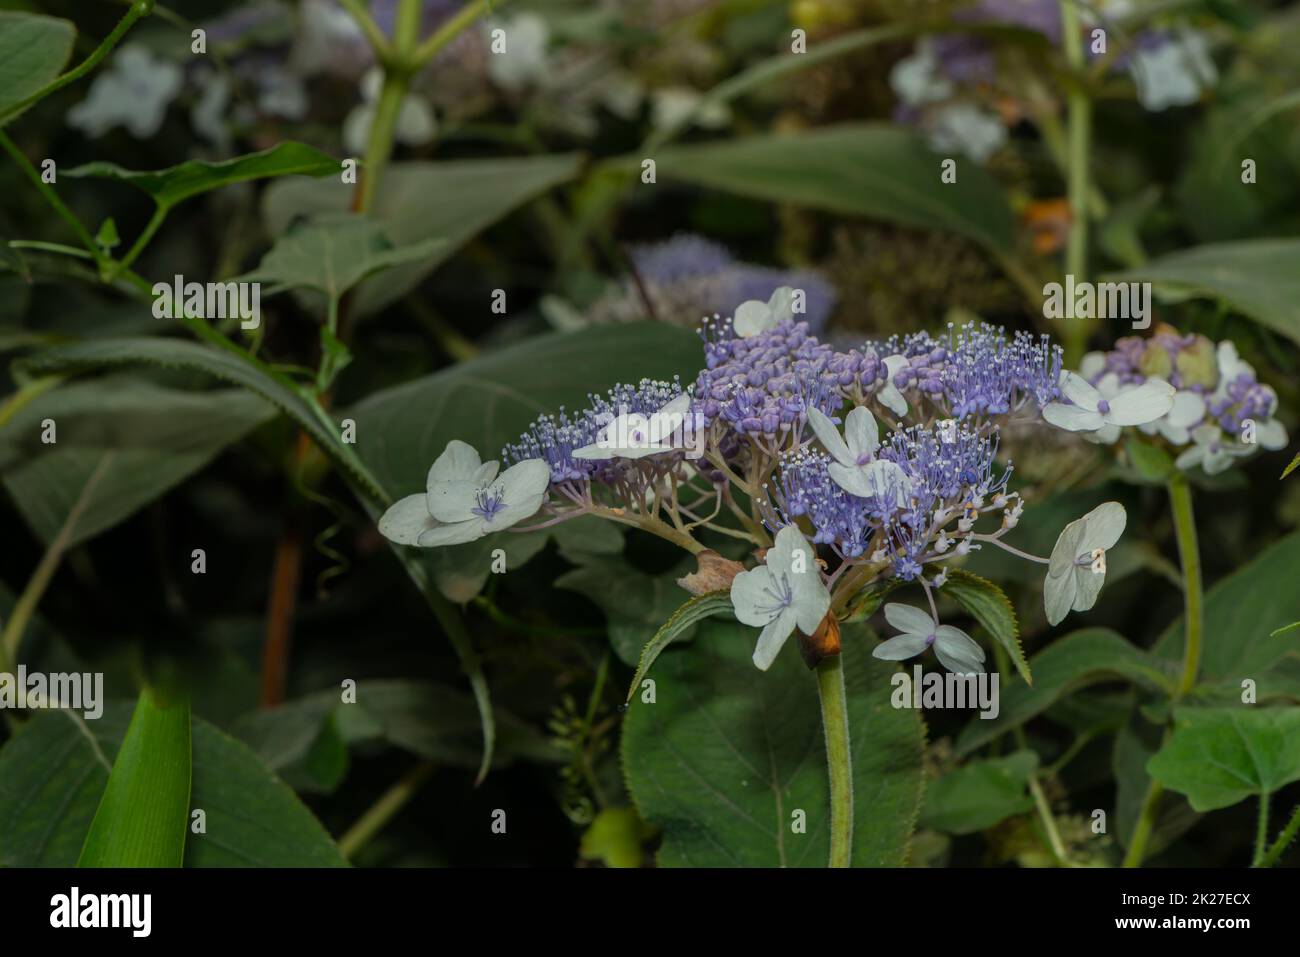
<point>1261,831</point>
<point>159,214</point>
<point>378,42</point>
<point>1180,500</point>
<point>384,810</point>
<point>839,762</point>
<point>52,198</point>
<point>1054,842</point>
<point>448,32</point>
<point>1283,840</point>
<point>1079,108</point>
<point>397,81</point>
<point>139,9</point>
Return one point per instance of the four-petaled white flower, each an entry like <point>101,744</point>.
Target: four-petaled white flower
<point>1105,409</point>
<point>753,316</point>
<point>633,435</point>
<point>1213,450</point>
<point>856,468</point>
<point>465,499</point>
<point>1270,433</point>
<point>888,394</point>
<point>1077,567</point>
<point>783,593</point>
<point>955,649</point>
<point>133,92</point>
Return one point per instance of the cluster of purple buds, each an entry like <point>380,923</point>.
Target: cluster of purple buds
<point>554,438</point>
<point>951,474</point>
<point>761,386</point>
<point>975,371</point>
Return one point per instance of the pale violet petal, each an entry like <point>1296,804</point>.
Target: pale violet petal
<point>900,647</point>
<point>1072,418</point>
<point>781,304</point>
<point>1092,365</point>
<point>1087,586</point>
<point>1271,435</point>
<point>751,597</point>
<point>889,396</point>
<point>453,501</point>
<point>958,661</point>
<point>1077,389</point>
<point>1141,403</point>
<point>751,318</point>
<point>1190,458</point>
<point>908,619</point>
<point>1187,410</point>
<point>458,462</point>
<point>1067,547</point>
<point>406,519</point>
<point>487,472</point>
<point>772,638</point>
<point>1058,596</point>
<point>829,436</point>
<point>956,642</point>
<point>861,433</point>
<point>512,513</point>
<point>1103,526</point>
<point>457,533</point>
<point>523,480</point>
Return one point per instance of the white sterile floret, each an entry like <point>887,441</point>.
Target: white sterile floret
<point>754,316</point>
<point>783,593</point>
<point>1105,409</point>
<point>1077,567</point>
<point>888,394</point>
<point>633,435</point>
<point>855,467</point>
<point>955,649</point>
<point>465,499</point>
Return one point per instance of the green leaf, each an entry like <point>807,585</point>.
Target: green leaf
<point>691,613</point>
<point>1129,758</point>
<point>725,755</point>
<point>635,603</point>
<point>331,254</point>
<point>1257,277</point>
<point>223,365</point>
<point>873,170</point>
<point>1295,463</point>
<point>868,601</point>
<point>987,603</point>
<point>453,201</point>
<point>139,439</point>
<point>144,814</point>
<point>177,183</point>
<point>1078,660</point>
<point>979,794</point>
<point>33,52</point>
<point>1246,607</point>
<point>1152,463</point>
<point>1219,756</point>
<point>55,770</point>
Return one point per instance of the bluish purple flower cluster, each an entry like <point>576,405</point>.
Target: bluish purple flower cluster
<point>976,371</point>
<point>762,385</point>
<point>687,278</point>
<point>554,438</point>
<point>951,473</point>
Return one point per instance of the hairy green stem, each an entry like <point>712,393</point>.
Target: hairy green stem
<point>839,762</point>
<point>1079,121</point>
<point>52,198</point>
<point>1283,841</point>
<point>1180,500</point>
<point>1261,831</point>
<point>384,810</point>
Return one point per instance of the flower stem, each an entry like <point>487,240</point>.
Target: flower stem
<point>1261,832</point>
<point>835,722</point>
<point>1079,124</point>
<point>384,810</point>
<point>1180,500</point>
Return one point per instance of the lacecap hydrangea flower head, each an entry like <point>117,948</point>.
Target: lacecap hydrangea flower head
<point>842,470</point>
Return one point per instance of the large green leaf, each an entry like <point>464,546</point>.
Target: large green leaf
<point>1219,756</point>
<point>979,794</point>
<point>177,183</point>
<point>1079,659</point>
<point>33,51</point>
<point>453,200</point>
<point>873,170</point>
<point>675,628</point>
<point>53,773</point>
<point>221,364</point>
<point>1241,613</point>
<point>136,438</point>
<point>144,813</point>
<point>1258,277</point>
<point>726,754</point>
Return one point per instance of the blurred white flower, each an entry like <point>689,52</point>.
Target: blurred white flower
<point>133,92</point>
<point>1175,72</point>
<point>955,649</point>
<point>524,59</point>
<point>967,129</point>
<point>674,105</point>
